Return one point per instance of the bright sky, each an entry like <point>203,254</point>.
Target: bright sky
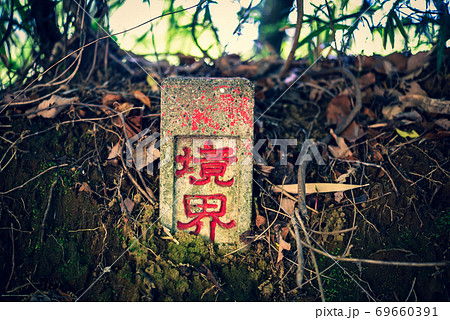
<point>224,16</point>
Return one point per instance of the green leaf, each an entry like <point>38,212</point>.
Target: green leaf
<point>385,31</point>
<point>317,32</point>
<point>400,26</point>
<point>405,134</point>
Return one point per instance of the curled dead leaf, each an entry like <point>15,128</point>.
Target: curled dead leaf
<point>128,204</point>
<point>85,188</point>
<point>282,245</point>
<point>52,107</point>
<point>115,151</point>
<point>338,109</point>
<point>287,205</point>
<point>341,150</point>
<point>123,107</point>
<point>366,80</point>
<point>109,99</point>
<point>142,97</point>
<point>260,220</point>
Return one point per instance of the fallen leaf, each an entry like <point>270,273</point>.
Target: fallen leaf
<point>405,134</point>
<point>260,220</point>
<point>186,60</point>
<point>246,237</point>
<point>282,245</point>
<point>18,98</point>
<point>411,116</point>
<point>123,107</point>
<point>210,277</point>
<point>366,80</point>
<point>114,153</point>
<point>425,103</point>
<point>85,188</point>
<point>284,232</point>
<point>417,61</point>
<point>369,113</point>
<point>376,156</point>
<point>287,205</point>
<point>52,107</point>
<point>338,196</point>
<point>311,188</point>
<point>343,177</point>
<point>169,235</point>
<point>353,132</point>
<point>152,83</point>
<point>437,135</point>
<point>341,150</point>
<point>265,170</point>
<point>129,204</point>
<point>142,97</point>
<point>338,109</point>
<point>443,123</point>
<point>146,155</point>
<point>415,88</point>
<point>391,111</point>
<point>399,60</point>
<point>109,99</point>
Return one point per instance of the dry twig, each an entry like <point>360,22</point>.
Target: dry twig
<point>298,28</point>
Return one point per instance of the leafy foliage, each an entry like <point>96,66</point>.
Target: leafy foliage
<point>22,51</point>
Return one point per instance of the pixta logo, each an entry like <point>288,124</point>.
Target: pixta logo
<point>143,150</point>
<point>308,152</point>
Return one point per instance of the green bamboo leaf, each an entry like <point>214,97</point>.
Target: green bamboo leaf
<point>317,32</point>
<point>385,32</point>
<point>400,26</point>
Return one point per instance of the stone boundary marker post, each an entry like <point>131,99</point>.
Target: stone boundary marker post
<point>206,159</point>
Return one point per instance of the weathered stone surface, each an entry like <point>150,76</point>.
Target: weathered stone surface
<point>206,160</point>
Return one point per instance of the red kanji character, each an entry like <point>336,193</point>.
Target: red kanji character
<point>185,161</point>
<point>203,206</point>
<point>213,164</point>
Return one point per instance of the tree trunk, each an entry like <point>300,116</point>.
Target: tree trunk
<point>44,16</point>
<point>274,15</point>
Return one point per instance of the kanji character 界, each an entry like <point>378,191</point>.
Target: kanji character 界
<point>203,213</point>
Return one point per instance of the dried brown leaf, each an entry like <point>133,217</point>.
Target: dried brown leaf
<point>438,135</point>
<point>123,107</point>
<point>391,111</point>
<point>338,196</point>
<point>114,153</point>
<point>109,99</point>
<point>142,97</point>
<point>338,109</point>
<point>399,60</point>
<point>210,276</point>
<point>366,80</point>
<point>52,107</point>
<point>85,188</point>
<point>287,205</point>
<point>443,123</point>
<point>425,103</point>
<point>417,61</point>
<point>282,245</point>
<point>415,88</point>
<point>265,170</point>
<point>353,132</point>
<point>341,150</point>
<point>260,220</point>
<point>311,188</point>
<point>129,204</point>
